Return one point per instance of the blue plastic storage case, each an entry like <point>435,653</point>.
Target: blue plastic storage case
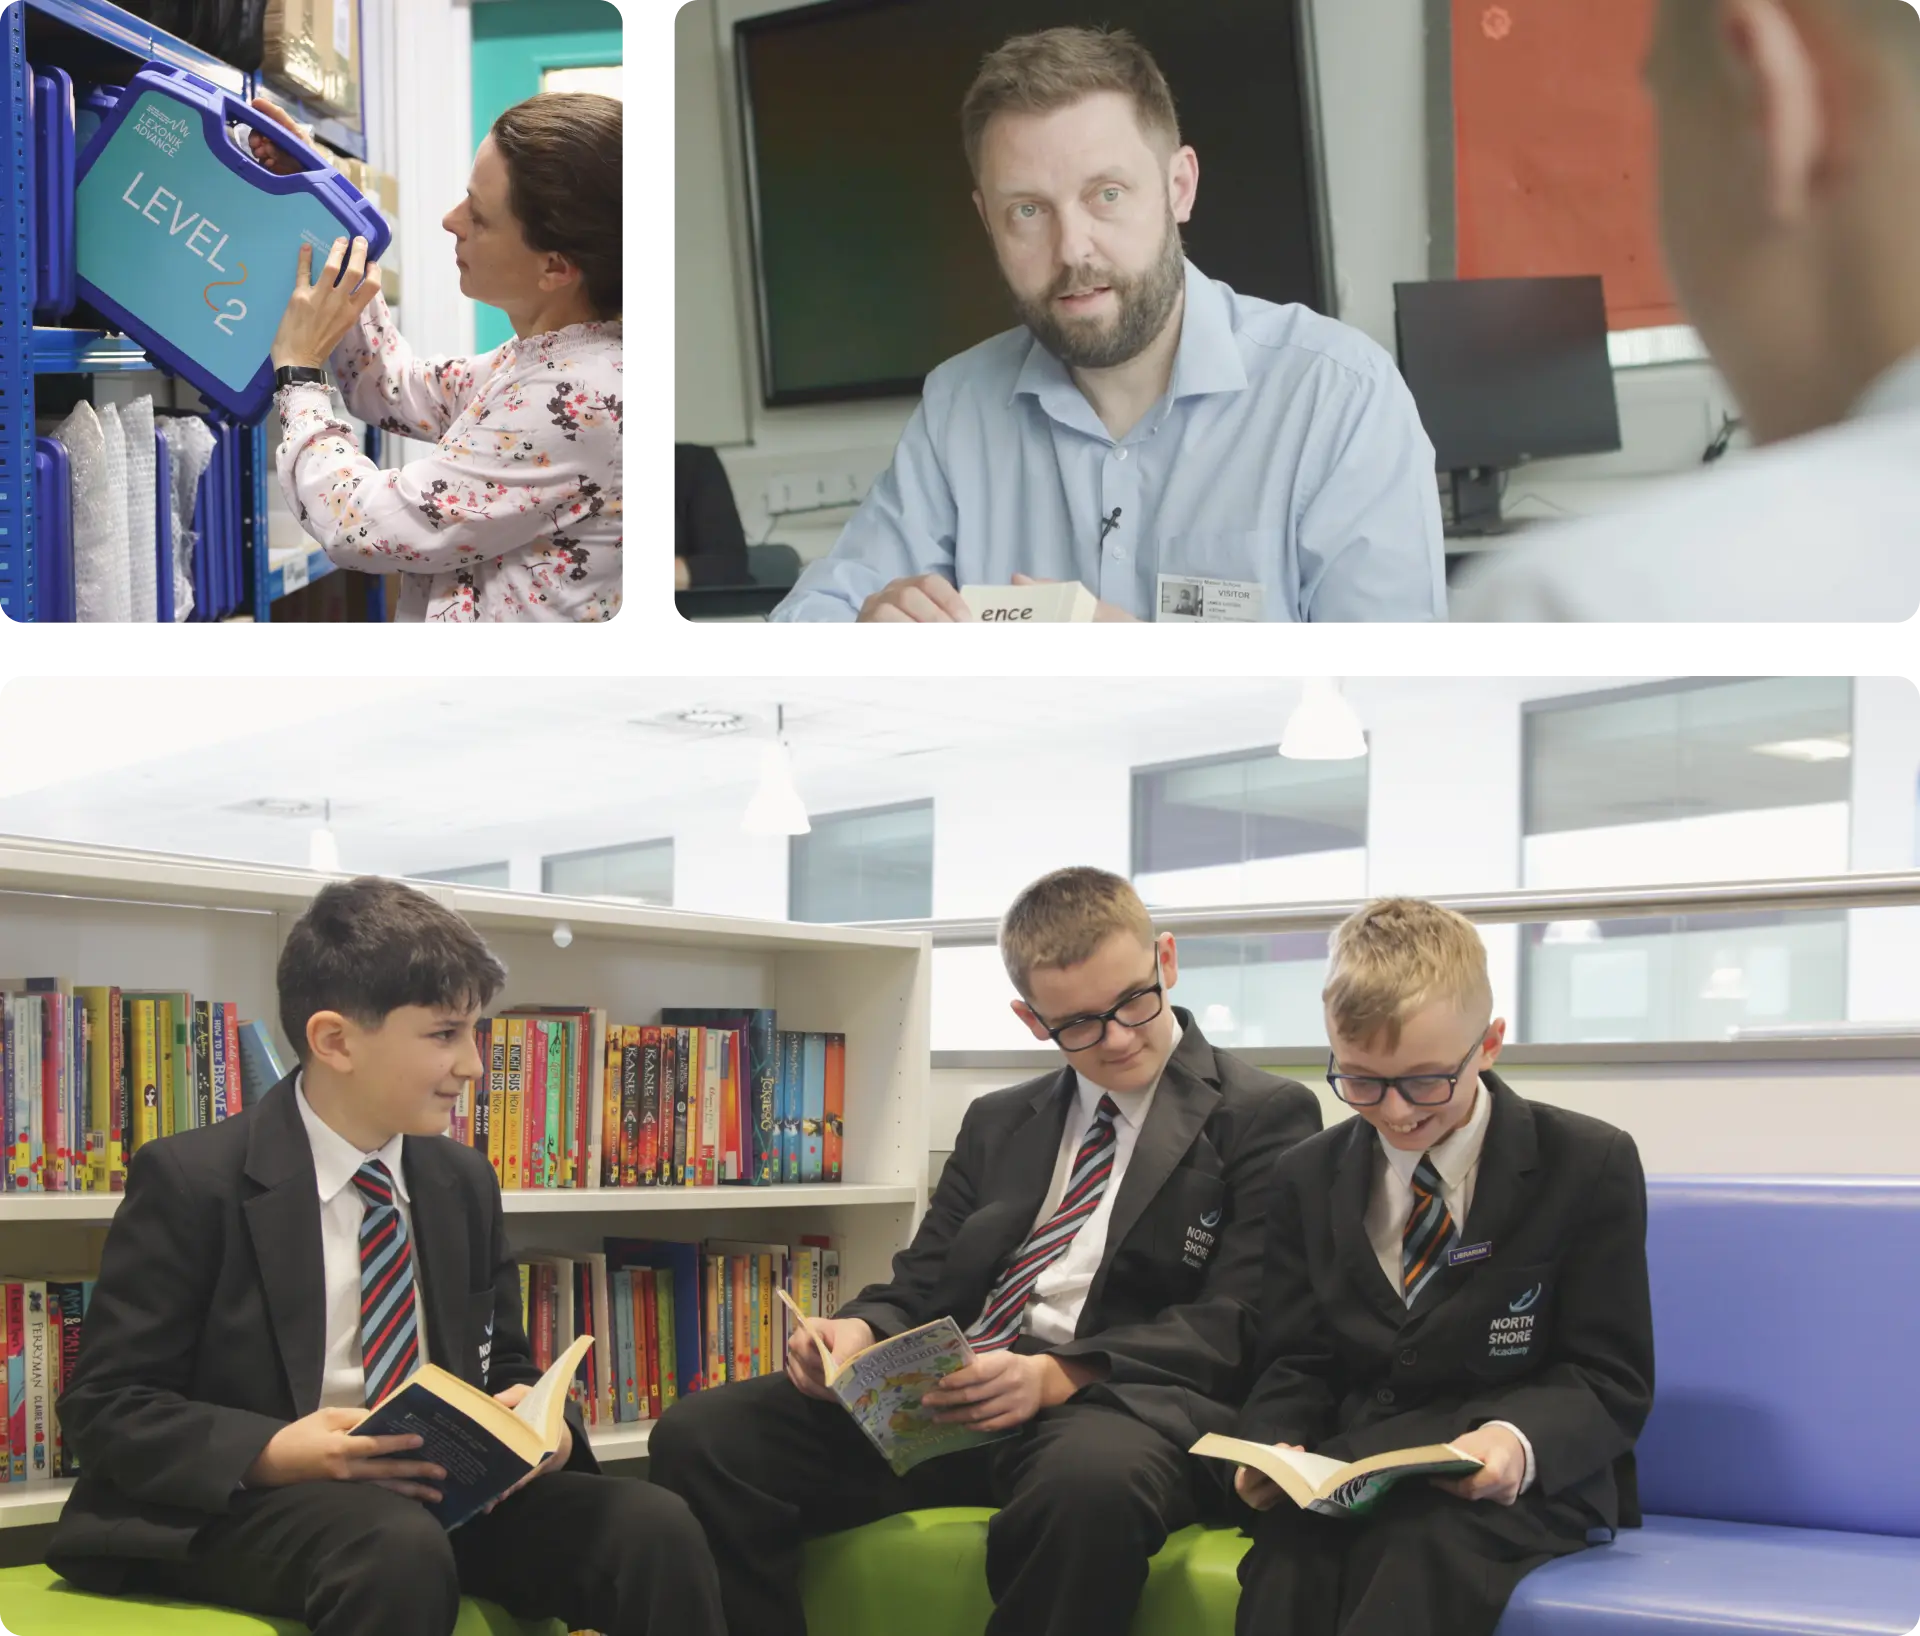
<point>191,245</point>
<point>52,146</point>
<point>54,589</point>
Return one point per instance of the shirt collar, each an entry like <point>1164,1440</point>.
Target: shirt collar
<point>336,1160</point>
<point>1206,360</point>
<point>1895,393</point>
<point>1133,1105</point>
<point>1456,1155</point>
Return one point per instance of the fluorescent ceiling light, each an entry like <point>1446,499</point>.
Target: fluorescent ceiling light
<point>1809,749</point>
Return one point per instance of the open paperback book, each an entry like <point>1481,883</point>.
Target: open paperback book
<point>1315,1483</point>
<point>881,1388</point>
<point>483,1446</point>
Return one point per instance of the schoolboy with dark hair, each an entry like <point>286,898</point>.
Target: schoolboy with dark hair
<point>1455,1264</point>
<point>268,1277</point>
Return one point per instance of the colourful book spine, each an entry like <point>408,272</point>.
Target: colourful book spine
<point>651,1079</point>
<point>533,1132</point>
<point>164,1066</point>
<point>6,1091</point>
<point>790,1048</point>
<point>98,1006</point>
<point>68,1296</point>
<point>727,1162</point>
<point>626,1400</point>
<point>146,1074</point>
<point>479,1128</point>
<point>688,1105</point>
<point>199,1106</point>
<point>52,1102</point>
<point>230,1026</point>
<point>217,1108</point>
<point>665,1328</point>
<point>712,1043</point>
<point>511,1172</point>
<point>558,1146</point>
<point>763,1304</point>
<point>646,1328</point>
<point>682,1076</point>
<point>631,1067</point>
<point>120,1107</point>
<point>833,1138</point>
<point>612,1091</point>
<point>39,1401</point>
<point>813,1110</point>
<point>716,1374</point>
<point>17,1444</point>
<point>741,1322</point>
<point>497,1096</point>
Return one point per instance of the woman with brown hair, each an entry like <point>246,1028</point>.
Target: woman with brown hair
<point>516,513</point>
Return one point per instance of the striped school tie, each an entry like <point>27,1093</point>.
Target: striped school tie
<point>999,1320</point>
<point>1428,1233</point>
<point>389,1333</point>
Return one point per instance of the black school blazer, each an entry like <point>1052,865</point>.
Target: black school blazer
<point>207,1329</point>
<point>1170,1307</point>
<point>1550,1327</point>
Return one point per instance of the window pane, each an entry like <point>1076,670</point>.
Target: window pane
<point>1687,752</point>
<point>473,874</point>
<point>1741,780</point>
<point>872,865</point>
<point>1697,977</point>
<point>641,873</point>
<point>1243,807</point>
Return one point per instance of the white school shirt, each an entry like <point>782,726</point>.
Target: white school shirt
<point>343,1381</point>
<point>1822,527</point>
<point>1457,1159</point>
<point>1053,1310</point>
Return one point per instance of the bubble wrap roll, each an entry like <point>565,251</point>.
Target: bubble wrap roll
<point>143,567</point>
<point>191,441</point>
<point>101,594</point>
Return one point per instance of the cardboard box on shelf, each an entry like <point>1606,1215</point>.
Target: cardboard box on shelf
<point>313,50</point>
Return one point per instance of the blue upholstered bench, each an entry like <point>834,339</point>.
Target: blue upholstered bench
<point>1780,1469</point>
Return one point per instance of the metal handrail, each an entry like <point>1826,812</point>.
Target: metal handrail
<point>1894,889</point>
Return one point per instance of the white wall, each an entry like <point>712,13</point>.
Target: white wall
<point>1371,63</point>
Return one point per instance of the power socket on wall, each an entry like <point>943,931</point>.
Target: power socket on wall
<point>811,491</point>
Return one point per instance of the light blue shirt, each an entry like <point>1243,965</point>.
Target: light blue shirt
<point>1286,451</point>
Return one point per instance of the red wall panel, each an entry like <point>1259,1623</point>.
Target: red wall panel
<point>1554,148</point>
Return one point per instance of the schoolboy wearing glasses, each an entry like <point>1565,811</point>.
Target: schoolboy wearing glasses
<point>1095,1232</point>
<point>1455,1265</point>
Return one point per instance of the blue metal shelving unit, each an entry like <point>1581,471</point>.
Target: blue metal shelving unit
<point>105,39</point>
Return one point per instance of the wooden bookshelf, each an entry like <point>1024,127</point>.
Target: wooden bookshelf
<point>147,920</point>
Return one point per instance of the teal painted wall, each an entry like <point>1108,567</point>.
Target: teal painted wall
<point>514,43</point>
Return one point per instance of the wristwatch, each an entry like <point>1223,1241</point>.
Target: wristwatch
<point>297,374</point>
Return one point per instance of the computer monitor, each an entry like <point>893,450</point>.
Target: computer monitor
<point>1506,370</point>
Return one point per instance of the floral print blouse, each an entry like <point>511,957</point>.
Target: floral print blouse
<point>515,516</point>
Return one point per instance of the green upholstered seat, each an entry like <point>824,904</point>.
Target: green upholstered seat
<point>932,1566</point>
<point>37,1602</point>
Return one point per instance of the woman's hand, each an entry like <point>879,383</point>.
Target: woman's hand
<point>276,159</point>
<point>319,314</point>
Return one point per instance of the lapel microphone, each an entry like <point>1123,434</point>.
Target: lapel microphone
<point>1109,524</point>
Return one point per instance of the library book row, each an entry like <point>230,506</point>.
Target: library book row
<point>703,1098</point>
<point>90,1074</point>
<point>669,1318</point>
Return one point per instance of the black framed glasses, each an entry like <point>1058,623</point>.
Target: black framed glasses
<point>1134,1010</point>
<point>1421,1090</point>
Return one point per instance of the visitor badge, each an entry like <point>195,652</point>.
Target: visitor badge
<point>1183,597</point>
